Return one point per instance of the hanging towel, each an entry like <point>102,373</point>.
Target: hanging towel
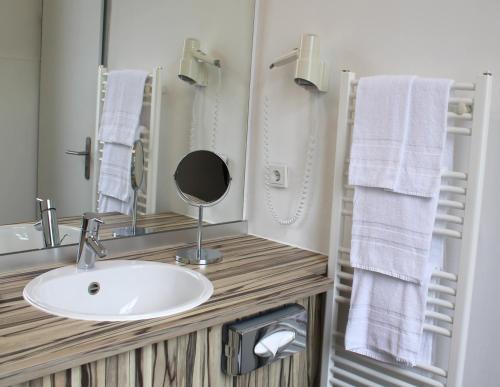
<point>420,172</point>
<point>392,230</point>
<point>122,106</point>
<point>387,314</point>
<point>119,129</point>
<point>392,233</point>
<point>114,174</point>
<point>110,204</point>
<point>392,247</point>
<point>378,137</point>
<point>386,317</point>
<point>115,182</point>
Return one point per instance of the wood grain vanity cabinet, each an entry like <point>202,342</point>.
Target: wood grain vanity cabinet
<point>37,349</point>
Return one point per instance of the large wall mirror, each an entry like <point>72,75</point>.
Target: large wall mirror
<point>56,59</point>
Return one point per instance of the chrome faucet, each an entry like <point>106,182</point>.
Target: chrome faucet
<point>89,246</point>
<point>48,223</point>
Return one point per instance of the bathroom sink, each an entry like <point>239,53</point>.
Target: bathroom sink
<point>25,236</point>
<point>118,290</point>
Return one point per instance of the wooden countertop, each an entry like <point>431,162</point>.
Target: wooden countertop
<point>164,221</point>
<point>256,274</point>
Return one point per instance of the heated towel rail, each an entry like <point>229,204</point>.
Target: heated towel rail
<point>146,201</point>
<point>450,292</point>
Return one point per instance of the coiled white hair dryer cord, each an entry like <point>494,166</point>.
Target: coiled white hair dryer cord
<point>306,179</point>
<point>197,112</point>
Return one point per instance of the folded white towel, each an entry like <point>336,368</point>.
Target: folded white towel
<point>122,106</point>
<point>386,316</point>
<point>392,232</point>
<point>114,177</point>
<point>119,128</point>
<point>110,204</point>
<point>420,172</point>
<point>398,133</point>
<point>392,248</point>
<point>114,174</point>
<point>378,137</point>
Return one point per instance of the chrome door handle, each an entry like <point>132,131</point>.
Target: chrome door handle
<point>85,153</point>
<point>76,153</point>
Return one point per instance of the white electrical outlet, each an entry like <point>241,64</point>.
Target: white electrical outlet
<point>278,176</point>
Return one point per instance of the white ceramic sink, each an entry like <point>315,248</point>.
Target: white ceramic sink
<point>118,291</point>
<point>25,236</point>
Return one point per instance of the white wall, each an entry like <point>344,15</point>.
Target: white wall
<point>449,38</point>
<point>20,34</point>
<point>71,51</point>
<point>153,34</point>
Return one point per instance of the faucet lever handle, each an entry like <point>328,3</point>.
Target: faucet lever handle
<point>91,215</point>
<point>91,223</point>
<point>93,227</point>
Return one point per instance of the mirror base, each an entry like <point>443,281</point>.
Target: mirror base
<point>128,231</point>
<point>190,256</point>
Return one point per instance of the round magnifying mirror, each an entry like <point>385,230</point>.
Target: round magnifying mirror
<point>137,167</point>
<point>202,179</point>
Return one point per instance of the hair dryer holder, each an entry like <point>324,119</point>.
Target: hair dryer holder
<point>310,70</point>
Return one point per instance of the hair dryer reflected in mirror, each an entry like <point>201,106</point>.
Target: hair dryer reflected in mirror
<point>194,62</point>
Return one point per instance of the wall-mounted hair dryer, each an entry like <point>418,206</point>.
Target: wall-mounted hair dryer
<point>193,66</point>
<point>310,70</point>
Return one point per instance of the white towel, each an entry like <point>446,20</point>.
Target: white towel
<point>119,129</point>
<point>392,240</point>
<point>110,204</point>
<point>114,174</point>
<point>420,172</point>
<point>122,106</point>
<point>392,231</point>
<point>386,316</point>
<point>378,137</point>
<point>115,182</point>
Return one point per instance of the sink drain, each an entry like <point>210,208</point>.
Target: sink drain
<point>94,288</point>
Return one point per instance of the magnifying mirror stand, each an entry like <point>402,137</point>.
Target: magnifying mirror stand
<point>198,255</point>
<point>136,177</point>
<point>132,229</point>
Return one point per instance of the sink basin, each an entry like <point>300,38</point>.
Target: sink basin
<point>25,236</point>
<point>118,291</point>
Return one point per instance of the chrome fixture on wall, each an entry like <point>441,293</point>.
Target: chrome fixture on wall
<point>253,342</point>
<point>85,153</point>
<point>48,223</point>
